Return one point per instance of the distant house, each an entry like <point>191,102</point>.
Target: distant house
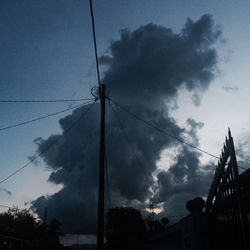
<point>10,243</point>
<point>170,238</point>
<point>83,247</point>
<point>190,233</point>
<point>244,180</point>
<point>78,241</point>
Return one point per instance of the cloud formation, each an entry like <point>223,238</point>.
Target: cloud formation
<point>242,149</point>
<point>145,70</point>
<point>231,88</point>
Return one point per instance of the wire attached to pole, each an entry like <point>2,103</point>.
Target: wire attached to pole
<point>95,46</point>
<point>41,117</point>
<point>46,101</point>
<point>46,149</point>
<point>147,176</point>
<point>162,131</point>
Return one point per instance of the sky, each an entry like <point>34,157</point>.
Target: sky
<point>47,53</point>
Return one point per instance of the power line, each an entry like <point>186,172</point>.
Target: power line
<point>242,167</point>
<point>4,206</point>
<point>162,131</point>
<point>167,134</point>
<point>95,46</point>
<point>131,147</point>
<point>51,145</point>
<point>40,118</point>
<point>46,101</point>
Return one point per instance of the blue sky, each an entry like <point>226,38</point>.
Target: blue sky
<point>47,53</point>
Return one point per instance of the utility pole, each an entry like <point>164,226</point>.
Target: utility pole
<point>102,96</point>
<point>45,216</point>
<point>100,224</point>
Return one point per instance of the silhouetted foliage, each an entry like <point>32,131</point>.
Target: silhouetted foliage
<point>164,221</point>
<point>22,224</point>
<point>49,234</point>
<point>18,223</point>
<point>125,228</point>
<point>154,226</point>
<point>197,204</point>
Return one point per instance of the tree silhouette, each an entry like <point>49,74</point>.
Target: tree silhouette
<point>154,226</point>
<point>197,204</point>
<point>18,223</point>
<point>49,234</point>
<point>22,224</point>
<point>125,228</point>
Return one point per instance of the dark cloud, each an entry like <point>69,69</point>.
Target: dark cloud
<point>186,178</point>
<point>231,88</point>
<point>145,69</point>
<point>152,62</point>
<point>242,149</point>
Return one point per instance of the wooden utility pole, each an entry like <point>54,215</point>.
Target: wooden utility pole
<point>45,216</point>
<point>100,224</point>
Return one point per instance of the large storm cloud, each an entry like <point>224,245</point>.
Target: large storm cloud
<point>185,179</point>
<point>145,70</point>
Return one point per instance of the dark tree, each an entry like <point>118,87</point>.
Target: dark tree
<point>197,204</point>
<point>164,221</point>
<point>154,226</point>
<point>18,223</point>
<point>22,224</point>
<point>125,228</point>
<point>49,234</point>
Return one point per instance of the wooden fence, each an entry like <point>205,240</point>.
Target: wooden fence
<point>226,220</point>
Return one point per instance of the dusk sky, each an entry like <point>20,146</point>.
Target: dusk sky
<point>47,53</point>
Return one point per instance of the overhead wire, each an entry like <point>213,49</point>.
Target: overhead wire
<point>62,100</point>
<point>46,101</point>
<point>50,145</point>
<point>4,206</point>
<point>42,117</point>
<point>167,134</point>
<point>95,46</point>
<point>242,167</point>
<point>162,131</point>
<point>132,148</point>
